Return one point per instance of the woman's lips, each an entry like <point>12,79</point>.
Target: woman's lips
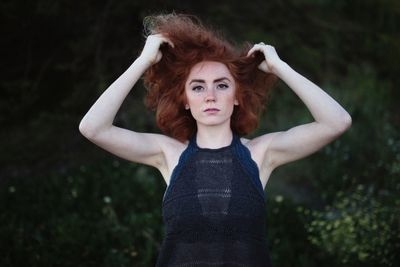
<point>211,110</point>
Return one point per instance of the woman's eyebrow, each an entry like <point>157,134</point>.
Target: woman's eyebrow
<point>215,81</point>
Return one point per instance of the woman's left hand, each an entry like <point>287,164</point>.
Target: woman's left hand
<point>272,59</point>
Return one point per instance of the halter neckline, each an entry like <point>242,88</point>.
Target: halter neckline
<point>193,143</point>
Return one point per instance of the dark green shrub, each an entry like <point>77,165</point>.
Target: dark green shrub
<point>359,228</point>
<point>106,214</point>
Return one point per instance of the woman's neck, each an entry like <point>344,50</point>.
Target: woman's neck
<point>214,137</point>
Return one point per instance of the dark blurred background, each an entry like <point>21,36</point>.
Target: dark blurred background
<point>66,202</point>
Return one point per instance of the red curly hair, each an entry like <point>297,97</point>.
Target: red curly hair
<point>194,43</point>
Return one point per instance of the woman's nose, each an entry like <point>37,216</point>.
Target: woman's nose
<point>210,96</point>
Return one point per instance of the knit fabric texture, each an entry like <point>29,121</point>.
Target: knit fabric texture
<point>214,210</point>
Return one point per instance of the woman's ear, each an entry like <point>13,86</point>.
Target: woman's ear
<point>236,102</point>
<point>187,106</point>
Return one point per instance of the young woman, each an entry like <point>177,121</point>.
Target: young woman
<point>207,94</point>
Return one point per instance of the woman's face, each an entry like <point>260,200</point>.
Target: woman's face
<point>210,93</point>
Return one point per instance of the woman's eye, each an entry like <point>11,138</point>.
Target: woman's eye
<point>197,88</point>
<point>222,86</point>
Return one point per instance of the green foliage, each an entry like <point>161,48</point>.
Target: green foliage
<point>359,228</point>
<point>358,221</point>
<point>106,214</point>
<point>287,236</point>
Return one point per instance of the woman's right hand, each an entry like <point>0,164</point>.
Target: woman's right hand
<point>151,51</point>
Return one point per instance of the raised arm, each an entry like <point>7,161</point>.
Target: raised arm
<point>97,124</point>
<point>331,119</point>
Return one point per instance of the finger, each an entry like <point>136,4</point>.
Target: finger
<point>163,38</point>
<point>170,43</point>
<point>263,66</point>
<point>253,49</point>
<point>166,40</point>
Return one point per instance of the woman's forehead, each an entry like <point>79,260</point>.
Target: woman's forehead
<point>209,69</point>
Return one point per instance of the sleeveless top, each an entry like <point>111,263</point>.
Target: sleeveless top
<point>214,210</point>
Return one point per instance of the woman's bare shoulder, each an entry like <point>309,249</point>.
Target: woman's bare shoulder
<point>258,146</point>
<point>258,142</point>
<point>171,145</point>
<point>172,150</point>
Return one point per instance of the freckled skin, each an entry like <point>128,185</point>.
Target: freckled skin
<point>210,93</point>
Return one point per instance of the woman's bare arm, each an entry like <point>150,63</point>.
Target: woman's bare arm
<point>331,119</point>
<point>97,124</point>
